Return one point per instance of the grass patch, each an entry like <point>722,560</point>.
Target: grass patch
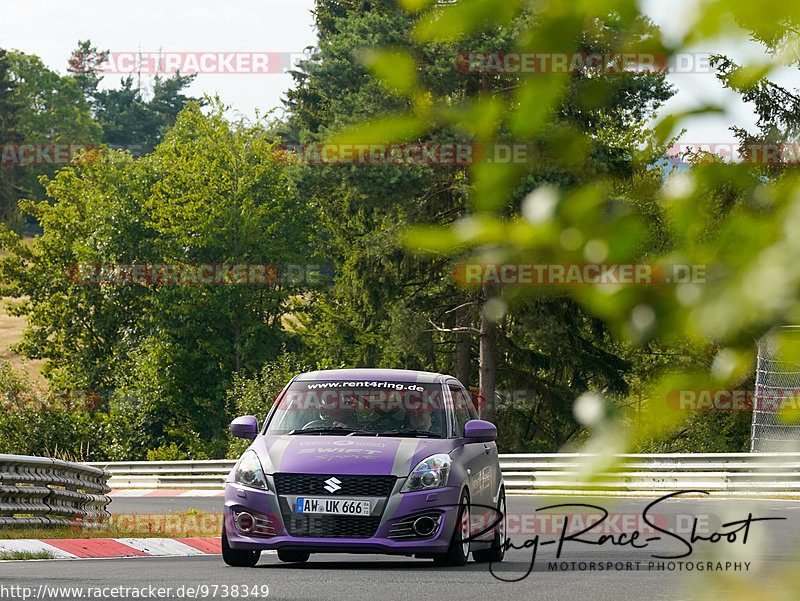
<point>26,555</point>
<point>11,330</point>
<point>163,525</point>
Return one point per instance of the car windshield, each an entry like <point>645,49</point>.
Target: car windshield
<point>361,409</point>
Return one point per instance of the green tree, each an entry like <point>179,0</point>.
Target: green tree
<point>52,423</point>
<point>773,147</point>
<point>163,356</point>
<point>53,111</point>
<point>54,107</point>
<point>612,209</point>
<point>130,120</point>
<point>396,309</point>
<point>9,134</point>
<point>85,63</point>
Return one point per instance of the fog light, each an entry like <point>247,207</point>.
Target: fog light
<point>244,522</point>
<point>424,526</point>
<point>256,524</point>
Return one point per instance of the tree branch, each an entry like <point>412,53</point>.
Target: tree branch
<point>459,329</point>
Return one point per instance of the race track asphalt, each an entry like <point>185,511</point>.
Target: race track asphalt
<point>754,569</point>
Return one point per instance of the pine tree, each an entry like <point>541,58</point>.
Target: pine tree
<point>392,308</point>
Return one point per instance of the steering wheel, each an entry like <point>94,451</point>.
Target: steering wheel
<point>318,423</point>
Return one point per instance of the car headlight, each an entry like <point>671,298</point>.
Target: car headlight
<point>429,473</point>
<point>248,471</point>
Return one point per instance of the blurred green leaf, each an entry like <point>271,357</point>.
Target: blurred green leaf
<point>749,75</point>
<point>383,130</point>
<point>492,184</point>
<point>537,100</point>
<point>451,22</point>
<point>414,6</point>
<point>435,239</point>
<point>395,68</point>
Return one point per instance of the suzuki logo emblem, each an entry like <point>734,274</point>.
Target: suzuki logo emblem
<point>332,484</point>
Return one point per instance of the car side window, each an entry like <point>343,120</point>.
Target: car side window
<point>473,413</point>
<point>463,409</point>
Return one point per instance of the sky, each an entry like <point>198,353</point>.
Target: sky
<point>52,28</point>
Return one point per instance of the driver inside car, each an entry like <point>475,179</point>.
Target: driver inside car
<point>420,419</point>
<point>424,419</point>
<point>342,415</point>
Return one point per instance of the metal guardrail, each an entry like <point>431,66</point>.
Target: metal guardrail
<point>39,491</point>
<point>736,474</point>
<point>739,474</point>
<point>168,474</point>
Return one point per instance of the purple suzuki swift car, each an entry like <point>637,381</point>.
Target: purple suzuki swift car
<point>367,461</point>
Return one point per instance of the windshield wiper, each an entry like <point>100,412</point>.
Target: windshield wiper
<point>325,430</point>
<point>427,433</point>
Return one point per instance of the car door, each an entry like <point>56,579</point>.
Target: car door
<point>478,457</point>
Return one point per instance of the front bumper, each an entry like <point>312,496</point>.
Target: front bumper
<point>391,514</point>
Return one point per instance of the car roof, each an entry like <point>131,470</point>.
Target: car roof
<point>385,375</point>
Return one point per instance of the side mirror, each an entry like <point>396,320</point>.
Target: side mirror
<point>478,430</point>
<point>245,427</point>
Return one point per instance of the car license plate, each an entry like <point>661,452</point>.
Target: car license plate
<point>333,506</point>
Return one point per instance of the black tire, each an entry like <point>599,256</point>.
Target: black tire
<point>458,553</point>
<point>497,551</point>
<point>293,556</point>
<point>236,558</point>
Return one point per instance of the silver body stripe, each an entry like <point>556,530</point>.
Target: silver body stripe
<point>404,456</point>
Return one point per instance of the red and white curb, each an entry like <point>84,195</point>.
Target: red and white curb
<point>81,548</point>
<point>164,492</point>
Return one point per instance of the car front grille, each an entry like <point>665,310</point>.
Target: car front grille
<point>351,486</point>
<point>331,526</point>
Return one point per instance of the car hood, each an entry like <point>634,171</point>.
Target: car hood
<point>356,455</point>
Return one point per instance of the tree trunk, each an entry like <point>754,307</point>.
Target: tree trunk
<point>461,360</point>
<point>430,352</point>
<point>487,360</point>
